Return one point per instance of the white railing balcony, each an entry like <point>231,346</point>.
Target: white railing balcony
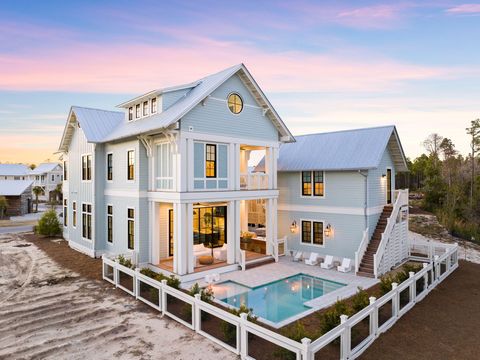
<point>254,181</point>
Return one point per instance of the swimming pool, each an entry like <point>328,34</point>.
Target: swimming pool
<point>278,300</point>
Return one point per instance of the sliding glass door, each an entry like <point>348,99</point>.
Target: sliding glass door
<point>210,225</point>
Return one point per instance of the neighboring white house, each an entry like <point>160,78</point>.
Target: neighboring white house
<point>14,172</point>
<point>166,180</point>
<point>47,176</point>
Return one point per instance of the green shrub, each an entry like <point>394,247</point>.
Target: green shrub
<point>360,300</point>
<point>172,280</point>
<point>295,332</point>
<point>49,225</point>
<point>386,284</point>
<point>205,294</point>
<point>125,262</point>
<point>229,330</point>
<point>402,275</point>
<point>331,318</point>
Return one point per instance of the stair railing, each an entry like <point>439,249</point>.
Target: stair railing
<point>402,199</point>
<point>362,248</point>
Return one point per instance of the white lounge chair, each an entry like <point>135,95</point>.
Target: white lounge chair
<point>312,260</point>
<point>346,265</point>
<point>297,256</point>
<point>328,263</point>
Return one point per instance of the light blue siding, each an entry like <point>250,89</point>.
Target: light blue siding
<point>170,98</point>
<point>222,151</point>
<point>214,117</point>
<point>199,160</point>
<point>377,185</point>
<point>347,232</point>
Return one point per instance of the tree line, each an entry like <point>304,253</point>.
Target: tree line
<point>449,182</point>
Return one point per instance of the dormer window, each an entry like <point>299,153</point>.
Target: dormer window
<point>154,105</point>
<point>145,108</point>
<point>137,111</point>
<point>130,113</point>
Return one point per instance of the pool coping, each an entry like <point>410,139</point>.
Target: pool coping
<point>313,302</point>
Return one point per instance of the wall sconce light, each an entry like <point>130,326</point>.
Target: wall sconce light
<point>384,176</point>
<point>328,230</point>
<point>293,227</point>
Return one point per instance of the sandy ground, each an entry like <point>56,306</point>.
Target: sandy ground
<point>48,311</point>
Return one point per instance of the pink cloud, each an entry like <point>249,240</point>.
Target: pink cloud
<point>465,9</point>
<point>140,67</point>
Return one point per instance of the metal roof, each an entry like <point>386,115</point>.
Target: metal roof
<point>44,168</point>
<point>102,126</point>
<point>14,170</point>
<point>358,149</point>
<point>14,187</point>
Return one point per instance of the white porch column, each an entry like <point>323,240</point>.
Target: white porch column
<point>231,238</point>
<point>154,232</point>
<point>269,166</point>
<point>182,164</point>
<point>274,167</point>
<point>231,167</point>
<point>237,230</point>
<point>274,211</point>
<point>190,161</point>
<point>189,238</point>
<point>270,225</point>
<point>243,215</point>
<point>179,239</point>
<point>236,166</point>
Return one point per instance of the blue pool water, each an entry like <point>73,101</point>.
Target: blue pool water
<point>278,300</point>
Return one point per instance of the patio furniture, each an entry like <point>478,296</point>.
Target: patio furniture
<point>328,263</point>
<point>313,260</point>
<point>220,253</point>
<point>298,256</point>
<point>200,250</point>
<point>346,265</point>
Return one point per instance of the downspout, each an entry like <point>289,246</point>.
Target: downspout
<point>365,206</point>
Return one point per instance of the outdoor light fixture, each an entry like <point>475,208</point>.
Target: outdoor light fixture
<point>293,227</point>
<point>328,230</point>
<point>384,176</point>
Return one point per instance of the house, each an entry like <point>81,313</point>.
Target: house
<point>167,181</point>
<point>47,176</point>
<point>19,196</point>
<point>14,172</point>
<point>334,186</point>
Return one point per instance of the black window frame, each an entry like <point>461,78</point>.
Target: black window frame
<point>110,166</point>
<point>130,113</point>
<point>87,221</point>
<point>317,232</point>
<point>208,159</point>
<point>110,224</point>
<point>232,105</point>
<point>138,113</point>
<point>153,106</point>
<point>131,228</point>
<point>130,165</point>
<point>145,108</point>
<point>306,183</point>
<point>306,231</point>
<point>65,172</point>
<point>74,214</point>
<point>86,167</point>
<point>315,182</point>
<point>65,212</point>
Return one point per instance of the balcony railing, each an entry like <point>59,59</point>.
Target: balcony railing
<point>254,181</point>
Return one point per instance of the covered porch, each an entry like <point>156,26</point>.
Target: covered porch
<point>194,237</point>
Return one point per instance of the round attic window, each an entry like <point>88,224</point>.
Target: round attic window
<point>235,103</point>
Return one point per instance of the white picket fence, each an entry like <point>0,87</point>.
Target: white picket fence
<point>347,341</point>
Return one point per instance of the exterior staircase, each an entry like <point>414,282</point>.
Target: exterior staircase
<point>366,266</point>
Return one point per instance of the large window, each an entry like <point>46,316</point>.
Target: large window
<point>235,103</point>
<point>130,113</point>
<point>110,223</point>
<point>145,108</point>
<point>312,232</point>
<point>87,221</point>
<point>313,183</point>
<point>65,212</point>
<point>86,167</point>
<point>170,232</point>
<point>131,228</point>
<point>130,165</point>
<point>109,167</point>
<point>137,111</point>
<point>210,225</point>
<point>210,161</point>
<point>154,106</point>
<point>74,214</point>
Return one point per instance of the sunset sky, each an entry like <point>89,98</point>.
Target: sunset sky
<point>325,66</point>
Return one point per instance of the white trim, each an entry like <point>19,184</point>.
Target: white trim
<point>178,197</point>
<point>135,239</point>
<point>76,213</point>
<point>125,193</point>
<point>227,139</point>
<point>91,213</point>
<point>92,166</point>
<point>226,101</point>
<point>81,248</point>
<point>331,209</point>
<point>312,182</point>
<point>324,238</point>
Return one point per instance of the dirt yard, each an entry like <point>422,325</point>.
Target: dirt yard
<point>56,307</point>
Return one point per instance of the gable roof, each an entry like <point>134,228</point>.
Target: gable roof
<point>359,149</point>
<point>14,170</point>
<point>14,187</point>
<point>44,168</point>
<point>103,126</point>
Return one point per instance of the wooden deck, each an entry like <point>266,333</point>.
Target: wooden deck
<point>167,264</point>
